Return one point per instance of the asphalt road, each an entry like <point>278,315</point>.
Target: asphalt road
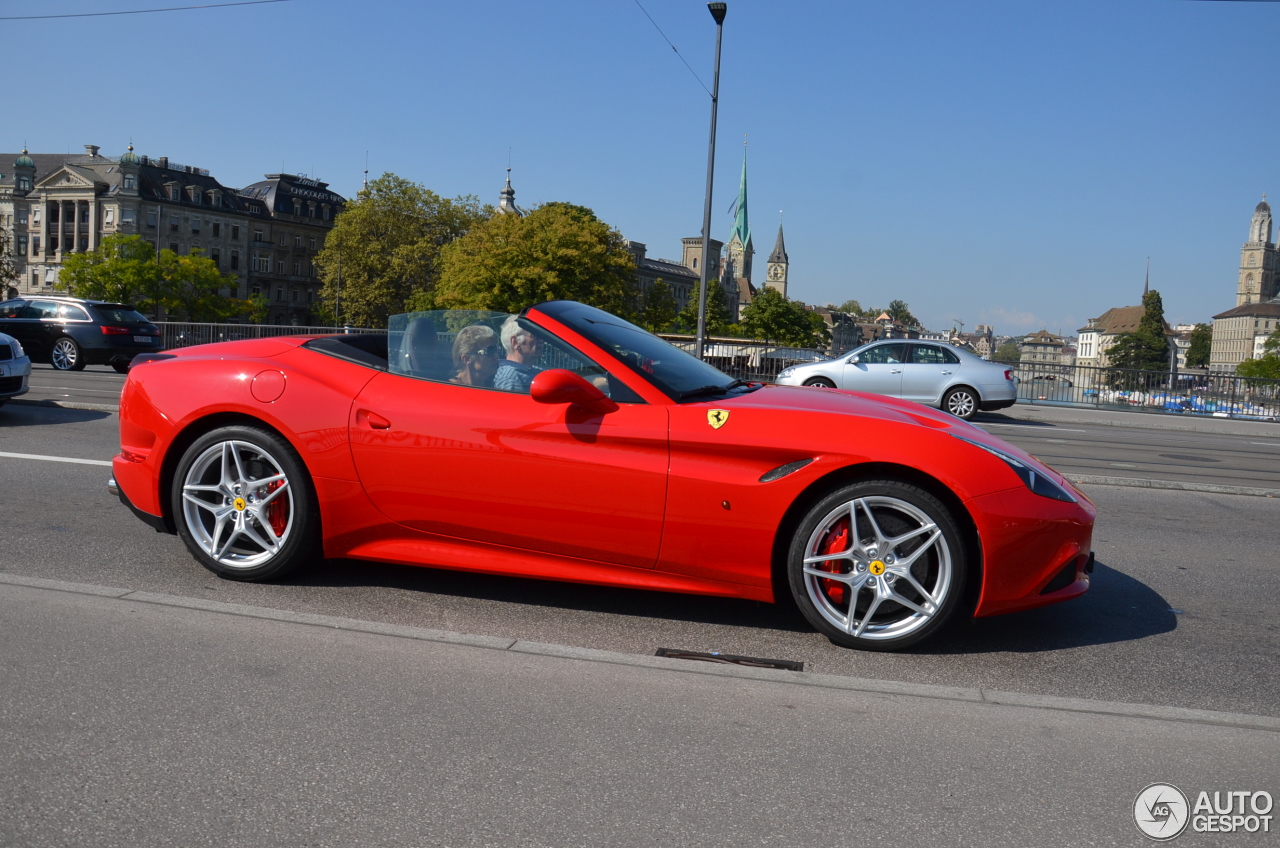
<point>1184,610</point>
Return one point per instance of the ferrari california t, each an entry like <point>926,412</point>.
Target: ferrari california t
<point>565,443</point>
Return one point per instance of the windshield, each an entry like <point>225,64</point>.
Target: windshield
<point>118,313</point>
<point>677,374</point>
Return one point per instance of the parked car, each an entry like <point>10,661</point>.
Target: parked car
<point>15,368</point>
<point>70,332</point>
<point>940,375</point>
<point>602,455</point>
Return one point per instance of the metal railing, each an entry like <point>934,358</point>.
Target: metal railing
<point>186,333</point>
<point>748,359</point>
<point>1190,393</point>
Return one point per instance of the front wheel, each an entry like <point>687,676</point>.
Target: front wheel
<point>244,505</point>
<point>962,402</point>
<point>878,565</point>
<point>66,355</point>
<point>820,382</point>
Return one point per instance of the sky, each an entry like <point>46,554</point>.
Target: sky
<point>1008,163</point>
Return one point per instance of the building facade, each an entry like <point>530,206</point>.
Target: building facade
<point>1041,348</point>
<point>1239,333</point>
<point>1097,336</point>
<point>1258,259</point>
<point>266,235</point>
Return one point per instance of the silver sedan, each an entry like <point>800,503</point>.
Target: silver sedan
<point>15,368</point>
<point>932,373</point>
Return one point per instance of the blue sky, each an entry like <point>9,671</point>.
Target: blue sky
<point>1012,163</point>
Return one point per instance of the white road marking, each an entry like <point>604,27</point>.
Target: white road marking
<point>75,389</point>
<point>1040,428</point>
<point>1268,444</point>
<point>55,458</point>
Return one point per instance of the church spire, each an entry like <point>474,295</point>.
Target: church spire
<point>1146,286</point>
<point>779,248</point>
<point>507,198</point>
<point>741,228</point>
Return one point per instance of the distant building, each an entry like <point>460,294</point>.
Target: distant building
<point>1239,333</point>
<point>981,341</point>
<point>1258,260</point>
<point>1041,348</point>
<point>266,234</point>
<point>1097,336</point>
<point>846,332</point>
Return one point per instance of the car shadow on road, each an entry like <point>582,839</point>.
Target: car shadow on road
<point>640,603</point>
<point>31,415</point>
<point>1117,608</point>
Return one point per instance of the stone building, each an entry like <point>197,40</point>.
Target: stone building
<point>1258,260</point>
<point>1099,334</point>
<point>1041,348</point>
<point>266,234</point>
<point>1238,334</point>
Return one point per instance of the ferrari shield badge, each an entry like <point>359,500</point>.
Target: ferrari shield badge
<point>717,418</point>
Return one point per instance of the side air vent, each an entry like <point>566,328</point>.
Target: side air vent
<point>783,470</point>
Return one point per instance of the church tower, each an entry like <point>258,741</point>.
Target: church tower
<point>1258,260</point>
<point>507,199</point>
<point>740,249</point>
<point>776,272</point>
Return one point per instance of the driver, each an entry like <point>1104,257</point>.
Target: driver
<point>475,356</point>
<point>516,372</point>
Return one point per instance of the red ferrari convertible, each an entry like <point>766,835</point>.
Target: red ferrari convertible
<point>568,444</point>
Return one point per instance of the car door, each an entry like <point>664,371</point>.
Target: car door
<point>928,371</point>
<point>500,468</point>
<point>11,321</point>
<point>878,369</point>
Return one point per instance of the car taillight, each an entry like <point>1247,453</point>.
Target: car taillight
<point>116,331</point>
<point>1008,374</point>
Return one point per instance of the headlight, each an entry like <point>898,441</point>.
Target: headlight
<point>786,372</point>
<point>1034,480</point>
<point>18,352</point>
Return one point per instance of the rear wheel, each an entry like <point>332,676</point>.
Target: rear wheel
<point>121,367</point>
<point>820,382</point>
<point>962,402</point>
<point>66,355</point>
<point>878,565</point>
<point>244,505</point>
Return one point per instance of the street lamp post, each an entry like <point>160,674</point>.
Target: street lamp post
<point>718,11</point>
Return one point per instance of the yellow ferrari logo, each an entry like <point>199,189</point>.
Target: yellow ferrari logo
<point>239,504</point>
<point>877,568</point>
<point>717,418</point>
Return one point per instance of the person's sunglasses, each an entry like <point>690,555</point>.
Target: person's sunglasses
<point>492,350</point>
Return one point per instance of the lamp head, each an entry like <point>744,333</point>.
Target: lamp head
<point>718,11</point>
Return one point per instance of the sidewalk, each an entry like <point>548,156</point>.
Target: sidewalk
<point>1049,414</point>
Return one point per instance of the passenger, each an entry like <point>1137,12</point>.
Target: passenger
<point>516,372</point>
<point>475,356</point>
<point>421,353</point>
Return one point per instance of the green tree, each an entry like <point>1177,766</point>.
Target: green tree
<point>899,312</point>
<point>1201,341</point>
<point>122,269</point>
<point>717,317</point>
<point>193,287</point>
<point>774,318</point>
<point>8,273</point>
<point>658,312</point>
<point>852,307</point>
<point>1008,352</point>
<point>1147,347</point>
<point>385,246</point>
<point>556,251</point>
<point>1268,365</point>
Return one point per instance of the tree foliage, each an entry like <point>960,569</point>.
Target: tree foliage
<point>1146,348</point>
<point>8,272</point>
<point>1008,352</point>
<point>193,287</point>
<point>851,307</point>
<point>1268,365</point>
<point>1201,341</point>
<point>772,317</point>
<point>556,251</point>
<point>899,312</point>
<point>384,248</point>
<point>717,318</point>
<point>658,312</point>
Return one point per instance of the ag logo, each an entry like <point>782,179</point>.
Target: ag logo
<point>1160,811</point>
<point>717,418</point>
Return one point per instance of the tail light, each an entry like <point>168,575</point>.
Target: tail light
<point>1008,374</point>
<point>116,331</point>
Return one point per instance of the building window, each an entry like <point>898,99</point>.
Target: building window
<point>297,241</point>
<point>217,229</point>
<point>173,245</point>
<point>24,184</point>
<point>216,256</point>
<point>235,260</point>
<point>130,181</point>
<point>283,240</point>
<point>257,235</point>
<point>126,217</point>
<point>297,269</point>
<point>195,226</point>
<point>151,220</point>
<point>313,244</point>
<point>297,207</point>
<point>326,212</point>
<point>173,223</point>
<point>195,195</point>
<point>174,194</point>
<point>235,232</point>
<point>109,217</point>
<point>84,243</point>
<point>35,215</point>
<point>279,293</point>
<point>84,214</point>
<point>294,295</point>
<point>22,215</point>
<point>22,245</point>
<point>35,244</point>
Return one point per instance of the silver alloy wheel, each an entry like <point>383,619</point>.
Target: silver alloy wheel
<point>894,584</point>
<point>961,403</point>
<point>230,497</point>
<point>65,354</point>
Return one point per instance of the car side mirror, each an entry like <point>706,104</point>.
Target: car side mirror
<point>853,360</point>
<point>557,385</point>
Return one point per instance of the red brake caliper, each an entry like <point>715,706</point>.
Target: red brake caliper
<point>277,510</point>
<point>837,541</point>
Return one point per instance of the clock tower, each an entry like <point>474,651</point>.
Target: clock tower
<point>776,274</point>
<point>1259,260</point>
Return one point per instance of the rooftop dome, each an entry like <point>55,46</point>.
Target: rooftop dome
<point>24,161</point>
<point>129,158</point>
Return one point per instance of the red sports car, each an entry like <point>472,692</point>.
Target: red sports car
<point>568,444</point>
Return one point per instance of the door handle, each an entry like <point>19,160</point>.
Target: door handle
<point>896,371</point>
<point>372,421</point>
<point>946,372</point>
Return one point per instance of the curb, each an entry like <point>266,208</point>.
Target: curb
<point>991,697</point>
<point>1146,483</point>
<point>1138,420</point>
<point>63,404</point>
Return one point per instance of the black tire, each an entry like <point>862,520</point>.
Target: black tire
<point>933,578</point>
<point>962,402</point>
<point>121,367</point>
<point>820,382</point>
<point>241,547</point>
<point>66,355</point>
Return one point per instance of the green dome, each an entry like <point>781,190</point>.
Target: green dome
<point>129,158</point>
<point>24,161</point>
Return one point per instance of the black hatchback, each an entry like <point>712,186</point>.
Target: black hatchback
<point>71,333</point>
